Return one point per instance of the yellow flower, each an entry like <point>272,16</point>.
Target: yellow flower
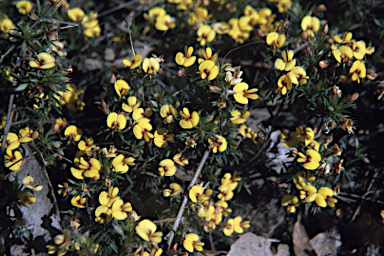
<point>275,40</point>
<point>229,181</point>
<point>238,225</point>
<point>12,142</point>
<point>290,141</point>
<point>167,168</point>
<point>358,70</point>
<point>305,135</point>
<point>154,251</point>
<point>245,131</point>
<point>251,12</point>
<point>141,129</point>
<point>238,117</point>
<point>140,115</point>
<point>78,201</point>
<point>76,14</point>
<point>243,94</point>
<point>146,230</point>
<point>291,202</point>
<point>207,54</point>
<point>103,214</point>
<point>116,121</point>
<point>311,160</point>
<point>191,243</point>
<point>180,160</point>
<point>228,228</point>
<point>302,178</point>
<point>324,197</point>
<point>26,198</point>
<point>88,169</point>
<point>168,112</point>
<point>226,193</point>
<point>119,209</point>
<point>343,54</point>
<point>310,25</point>
<point>205,34</point>
<point>208,70</point>
<point>108,198</point>
<point>44,61</point>
<point>3,121</point>
<point>189,120</point>
<point>132,104</point>
<point>196,193</point>
<point>300,74</point>
<point>185,59</point>
<point>156,12</point>
<point>359,49</point>
<point>135,61</point>
<point>27,135</point>
<point>245,23</point>
<point>161,138</point>
<point>309,193</point>
<point>122,88</point>
<point>86,145</point>
<point>6,25</point>
<point>165,22</point>
<point>13,160</point>
<point>121,164</point>
<point>151,65</point>
<point>173,190</point>
<point>217,142</point>
<point>285,83</point>
<point>73,133</point>
<point>63,243</point>
<point>347,37</point>
<point>284,5</point>
<point>24,6</point>
<point>27,181</point>
<point>287,63</point>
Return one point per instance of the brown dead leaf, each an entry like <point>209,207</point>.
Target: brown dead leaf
<point>325,243</point>
<point>301,243</point>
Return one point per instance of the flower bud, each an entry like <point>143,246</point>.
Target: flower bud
<point>336,91</point>
<point>323,64</point>
<point>308,50</point>
<point>304,35</point>
<point>320,8</point>
<point>113,79</point>
<point>353,97</point>
<point>314,70</point>
<point>214,89</point>
<point>133,217</point>
<point>174,248</point>
<point>294,152</point>
<point>105,107</point>
<point>259,33</point>
<point>107,182</point>
<point>222,103</point>
<point>371,75</point>
<point>280,27</point>
<point>325,30</point>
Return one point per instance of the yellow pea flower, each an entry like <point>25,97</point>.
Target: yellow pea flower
<point>103,214</point>
<point>301,179</point>
<point>86,145</point>
<point>116,121</point>
<point>6,25</point>
<point>305,135</point>
<point>13,160</point>
<point>185,59</point>
<point>122,88</point>
<point>217,142</point>
<point>44,61</point>
<point>205,34</point>
<point>141,129</point>
<point>27,135</point>
<point>229,181</point>
<point>76,14</point>
<point>245,23</point>
<point>146,230</point>
<point>228,228</point>
<point>238,117</point>
<point>308,193</point>
<point>291,202</point>
<point>167,167</point>
<point>88,169</point>
<point>290,141</point>
<point>300,74</point>
<point>156,12</point>
<point>168,112</point>
<point>285,83</point>
<point>196,193</point>
<point>343,54</point>
<point>208,70</point>
<point>245,131</point>
<point>243,94</point>
<point>119,209</point>
<point>27,181</point>
<point>180,160</point>
<point>287,63</point>
<point>12,142</point>
<point>324,197</point>
<point>358,70</point>
<point>191,243</point>
<point>78,201</point>
<point>275,40</point>
<point>140,115</point>
<point>26,198</point>
<point>165,22</point>
<point>226,193</point>
<point>3,121</point>
<point>311,159</point>
<point>208,55</point>
<point>24,6</point>
<point>310,25</point>
<point>132,104</point>
<point>151,65</point>
<point>238,225</point>
<point>121,164</point>
<point>359,49</point>
<point>284,5</point>
<point>135,61</point>
<point>108,198</point>
<point>347,37</point>
<point>161,138</point>
<point>73,133</point>
<point>174,189</point>
<point>189,120</point>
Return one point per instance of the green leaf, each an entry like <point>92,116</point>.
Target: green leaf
<point>21,87</point>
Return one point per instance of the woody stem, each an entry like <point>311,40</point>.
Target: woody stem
<point>171,234</point>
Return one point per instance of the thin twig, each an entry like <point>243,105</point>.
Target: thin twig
<point>119,7</point>
<point>6,53</point>
<point>171,233</point>
<point>8,123</point>
<point>213,248</point>
<point>300,47</point>
<point>363,197</point>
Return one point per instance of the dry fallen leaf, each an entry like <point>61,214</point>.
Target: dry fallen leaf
<point>301,243</point>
